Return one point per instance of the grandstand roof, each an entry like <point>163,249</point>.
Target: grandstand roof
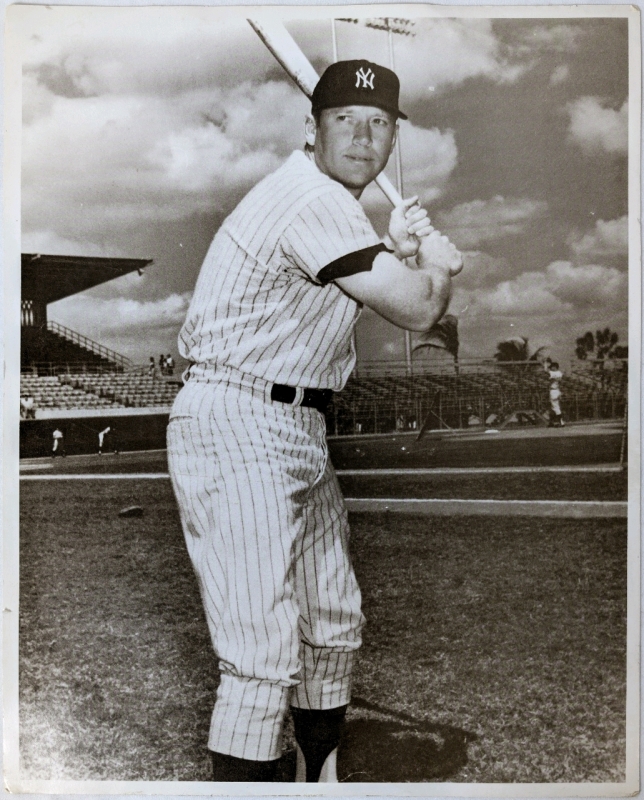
<point>51,278</point>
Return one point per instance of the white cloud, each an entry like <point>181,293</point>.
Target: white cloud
<point>560,74</point>
<point>608,239</point>
<point>140,115</point>
<point>590,285</point>
<point>481,269</point>
<point>95,164</point>
<point>128,50</point>
<point>49,242</point>
<point>130,327</point>
<point>131,160</point>
<point>442,52</point>
<point>561,38</point>
<point>108,315</point>
<point>470,224</point>
<point>527,294</point>
<point>154,50</point>
<point>452,50</point>
<point>594,127</point>
<point>428,157</point>
<point>560,289</point>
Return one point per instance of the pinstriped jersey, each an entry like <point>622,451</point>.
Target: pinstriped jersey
<point>258,305</point>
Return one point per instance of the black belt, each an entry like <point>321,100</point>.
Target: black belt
<point>313,398</point>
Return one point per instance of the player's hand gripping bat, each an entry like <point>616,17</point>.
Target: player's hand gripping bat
<point>282,45</point>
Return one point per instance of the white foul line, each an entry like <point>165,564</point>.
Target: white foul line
<point>101,476</point>
<point>403,471</point>
<point>575,509</point>
<point>479,470</point>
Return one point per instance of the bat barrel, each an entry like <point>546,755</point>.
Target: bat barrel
<point>282,45</point>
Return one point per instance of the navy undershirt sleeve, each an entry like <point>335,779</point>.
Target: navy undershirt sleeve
<point>352,263</point>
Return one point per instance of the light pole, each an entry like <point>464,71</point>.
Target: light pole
<point>402,27</point>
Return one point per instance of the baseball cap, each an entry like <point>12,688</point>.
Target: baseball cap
<point>357,83</point>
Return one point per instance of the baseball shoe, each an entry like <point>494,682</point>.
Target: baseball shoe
<point>230,769</point>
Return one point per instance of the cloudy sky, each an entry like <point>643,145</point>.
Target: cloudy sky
<point>142,128</point>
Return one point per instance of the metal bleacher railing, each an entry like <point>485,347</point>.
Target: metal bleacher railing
<point>89,344</point>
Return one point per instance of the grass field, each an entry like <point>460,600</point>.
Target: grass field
<point>494,651</point>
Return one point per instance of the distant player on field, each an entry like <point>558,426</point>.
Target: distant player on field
<point>555,376</point>
<point>269,337</point>
<point>101,439</point>
<point>58,443</point>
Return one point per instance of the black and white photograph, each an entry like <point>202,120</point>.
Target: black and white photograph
<point>322,400</point>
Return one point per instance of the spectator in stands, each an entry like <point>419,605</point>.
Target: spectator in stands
<point>58,446</point>
<point>169,365</point>
<point>151,366</point>
<point>27,407</point>
<point>162,364</point>
<point>555,375</point>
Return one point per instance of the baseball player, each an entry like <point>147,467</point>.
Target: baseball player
<point>555,375</point>
<point>269,338</point>
<point>58,443</point>
<point>101,439</point>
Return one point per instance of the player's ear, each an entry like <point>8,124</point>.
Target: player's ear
<point>310,129</point>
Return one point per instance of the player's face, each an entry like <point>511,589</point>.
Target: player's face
<point>352,143</point>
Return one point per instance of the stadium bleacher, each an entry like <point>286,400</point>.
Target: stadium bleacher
<point>376,402</point>
<point>107,390</point>
<point>52,392</point>
<point>370,403</point>
<point>129,389</point>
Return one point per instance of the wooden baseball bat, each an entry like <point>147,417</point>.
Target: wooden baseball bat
<point>282,45</point>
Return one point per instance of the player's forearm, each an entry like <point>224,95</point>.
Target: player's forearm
<point>415,299</point>
<point>440,293</point>
<point>438,260</point>
<point>413,296</point>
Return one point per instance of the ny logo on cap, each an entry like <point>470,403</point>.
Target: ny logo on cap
<point>364,79</point>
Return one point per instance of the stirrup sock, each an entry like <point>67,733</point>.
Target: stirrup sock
<point>318,734</point>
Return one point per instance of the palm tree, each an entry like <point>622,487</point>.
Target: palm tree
<point>602,345</point>
<point>443,336</point>
<point>517,350</point>
<point>514,356</point>
<point>603,348</point>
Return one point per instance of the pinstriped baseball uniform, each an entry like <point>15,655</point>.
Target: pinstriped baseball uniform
<point>263,516</point>
<point>258,305</point>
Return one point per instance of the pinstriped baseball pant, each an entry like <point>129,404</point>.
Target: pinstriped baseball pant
<point>266,529</point>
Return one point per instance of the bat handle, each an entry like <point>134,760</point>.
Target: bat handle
<point>388,189</point>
